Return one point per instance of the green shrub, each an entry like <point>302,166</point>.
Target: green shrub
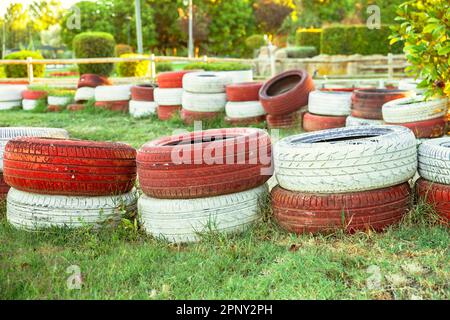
<point>255,41</point>
<point>163,67</point>
<point>20,71</point>
<point>357,39</point>
<point>95,45</point>
<point>134,68</point>
<point>122,49</point>
<point>308,38</point>
<point>301,52</point>
<point>218,66</point>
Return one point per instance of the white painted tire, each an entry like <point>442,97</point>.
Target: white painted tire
<point>434,160</point>
<point>181,220</point>
<point>31,211</point>
<point>205,82</point>
<point>168,97</point>
<point>140,109</point>
<point>330,103</point>
<point>239,76</point>
<point>11,92</point>
<point>28,104</point>
<point>410,85</point>
<point>59,101</point>
<point>321,162</point>
<point>113,93</point>
<point>414,109</point>
<point>204,102</point>
<point>8,133</point>
<point>241,110</point>
<point>8,105</point>
<point>85,94</point>
<point>356,122</point>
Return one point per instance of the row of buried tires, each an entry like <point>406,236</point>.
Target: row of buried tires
<point>348,178</point>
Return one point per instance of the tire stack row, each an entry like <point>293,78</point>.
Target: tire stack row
<point>427,119</point>
<point>68,183</point>
<point>204,96</point>
<point>113,98</point>
<point>367,105</point>
<point>31,98</point>
<point>327,110</point>
<point>142,102</point>
<point>348,178</point>
<point>243,106</point>
<point>434,168</point>
<point>9,133</point>
<point>283,96</point>
<point>11,96</point>
<point>202,181</point>
<point>169,93</point>
<point>86,90</point>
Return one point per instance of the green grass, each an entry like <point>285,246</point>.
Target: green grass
<point>264,262</point>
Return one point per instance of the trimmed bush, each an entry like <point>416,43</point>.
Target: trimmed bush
<point>357,39</point>
<point>308,38</point>
<point>135,68</point>
<point>95,45</point>
<point>218,66</point>
<point>122,49</point>
<point>20,71</point>
<point>163,67</point>
<point>255,41</point>
<point>301,52</point>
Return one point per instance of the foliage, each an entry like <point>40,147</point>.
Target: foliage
<point>255,41</point>
<point>270,14</point>
<point>425,30</point>
<point>163,67</point>
<point>20,71</point>
<point>301,52</point>
<point>309,37</point>
<point>134,68</point>
<point>94,45</point>
<point>123,49</point>
<point>218,66</point>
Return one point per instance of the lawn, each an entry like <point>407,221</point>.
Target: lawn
<point>409,261</point>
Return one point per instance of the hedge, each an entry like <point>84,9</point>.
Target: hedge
<point>218,66</point>
<point>20,71</point>
<point>357,39</point>
<point>301,52</point>
<point>95,45</point>
<point>308,38</point>
<point>133,68</point>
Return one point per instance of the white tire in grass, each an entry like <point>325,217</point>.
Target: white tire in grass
<point>414,109</point>
<point>434,160</point>
<point>246,109</point>
<point>140,109</point>
<point>168,97</point>
<point>356,122</point>
<point>32,211</point>
<point>330,103</point>
<point>11,92</point>
<point>205,82</point>
<point>58,101</point>
<point>85,94</point>
<point>204,102</point>
<point>8,133</point>
<point>181,220</point>
<point>28,104</point>
<point>346,159</point>
<point>8,105</point>
<point>113,93</point>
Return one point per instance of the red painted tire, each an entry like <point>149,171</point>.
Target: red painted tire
<point>245,121</point>
<point>433,128</point>
<point>93,81</point>
<point>142,92</point>
<point>34,94</point>
<point>287,121</point>
<point>368,103</point>
<point>246,91</point>
<point>301,212</point>
<point>120,106</point>
<point>222,161</point>
<point>171,79</point>
<point>189,117</point>
<point>51,108</point>
<point>4,188</point>
<point>69,167</point>
<point>313,122</point>
<point>76,107</point>
<point>167,112</point>
<point>286,92</point>
<point>436,194</point>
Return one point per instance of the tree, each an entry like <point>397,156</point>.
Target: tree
<point>45,14</point>
<point>270,14</point>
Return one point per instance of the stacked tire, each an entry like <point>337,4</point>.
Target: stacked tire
<point>142,102</point>
<point>86,90</point>
<point>11,96</point>
<point>113,98</point>
<point>243,106</point>
<point>9,133</point>
<point>348,178</point>
<point>200,181</point>
<point>168,95</point>
<point>31,98</point>
<point>68,183</point>
<point>58,103</point>
<point>327,110</point>
<point>283,96</point>
<point>367,105</point>
<point>204,96</point>
<point>434,168</point>
<point>427,119</point>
